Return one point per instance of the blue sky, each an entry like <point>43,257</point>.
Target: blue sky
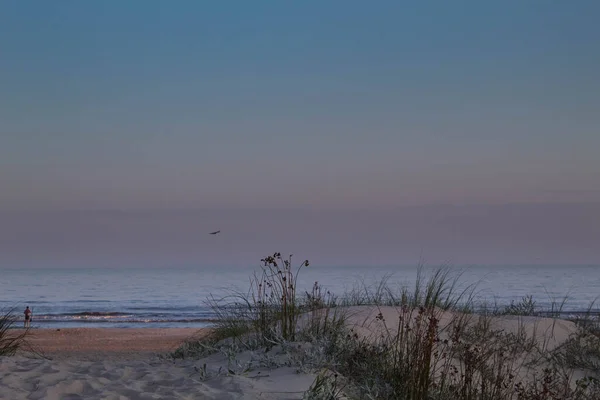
<point>306,105</point>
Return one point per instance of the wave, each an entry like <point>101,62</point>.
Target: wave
<point>127,321</point>
<point>97,314</point>
<point>86,301</point>
<point>165,308</point>
<point>117,314</point>
<point>121,317</point>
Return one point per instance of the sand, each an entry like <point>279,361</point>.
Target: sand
<point>124,364</point>
<point>549,332</point>
<point>102,343</point>
<point>130,363</point>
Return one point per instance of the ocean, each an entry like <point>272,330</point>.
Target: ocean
<point>176,297</point>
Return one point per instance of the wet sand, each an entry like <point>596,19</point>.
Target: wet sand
<point>90,343</point>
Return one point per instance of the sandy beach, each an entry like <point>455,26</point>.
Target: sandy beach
<point>103,343</point>
<point>98,363</point>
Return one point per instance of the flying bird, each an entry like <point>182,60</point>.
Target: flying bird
<point>214,233</point>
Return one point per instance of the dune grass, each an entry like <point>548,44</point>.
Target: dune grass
<point>439,345</point>
<point>582,351</point>
<point>11,340</point>
<point>267,313</point>
<point>442,289</point>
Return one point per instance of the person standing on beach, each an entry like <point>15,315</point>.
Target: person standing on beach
<point>27,317</point>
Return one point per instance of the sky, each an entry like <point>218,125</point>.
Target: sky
<point>120,119</point>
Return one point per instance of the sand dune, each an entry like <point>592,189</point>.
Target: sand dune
<point>547,331</point>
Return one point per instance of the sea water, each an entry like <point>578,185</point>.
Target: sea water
<point>176,297</point>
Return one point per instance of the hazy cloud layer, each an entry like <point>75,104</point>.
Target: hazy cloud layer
<point>559,233</point>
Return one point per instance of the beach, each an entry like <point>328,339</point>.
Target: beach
<point>92,343</point>
<point>122,343</point>
<point>114,363</point>
<point>109,363</point>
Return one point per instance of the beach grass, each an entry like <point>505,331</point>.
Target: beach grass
<point>11,340</point>
<point>428,341</point>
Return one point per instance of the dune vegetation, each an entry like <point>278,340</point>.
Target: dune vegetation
<point>11,340</point>
<point>429,341</point>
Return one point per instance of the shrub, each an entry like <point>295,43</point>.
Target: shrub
<point>526,306</point>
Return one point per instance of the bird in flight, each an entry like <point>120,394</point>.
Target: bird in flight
<point>214,233</point>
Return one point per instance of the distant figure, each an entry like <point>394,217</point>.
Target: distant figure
<point>27,317</point>
<point>214,233</point>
